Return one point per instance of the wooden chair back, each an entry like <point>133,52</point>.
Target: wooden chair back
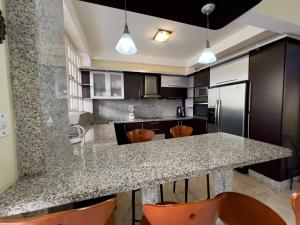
<point>295,202</point>
<point>181,131</point>
<point>196,213</point>
<point>140,135</point>
<point>231,208</point>
<point>239,209</point>
<point>99,214</point>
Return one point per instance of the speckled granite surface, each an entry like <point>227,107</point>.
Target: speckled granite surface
<point>37,65</point>
<point>118,109</point>
<point>98,170</point>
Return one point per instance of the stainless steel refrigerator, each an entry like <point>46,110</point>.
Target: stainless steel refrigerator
<point>227,109</point>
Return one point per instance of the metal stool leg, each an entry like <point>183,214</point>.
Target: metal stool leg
<point>207,186</point>
<point>161,193</point>
<point>174,186</point>
<point>186,187</point>
<point>133,207</point>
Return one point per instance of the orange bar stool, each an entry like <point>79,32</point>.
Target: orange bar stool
<point>183,131</point>
<point>140,135</point>
<point>200,213</point>
<point>239,209</point>
<point>295,202</point>
<point>231,208</point>
<point>137,136</point>
<point>99,214</point>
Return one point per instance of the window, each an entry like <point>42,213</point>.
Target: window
<point>74,78</point>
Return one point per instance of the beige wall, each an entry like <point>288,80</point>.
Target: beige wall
<point>137,67</point>
<point>8,158</point>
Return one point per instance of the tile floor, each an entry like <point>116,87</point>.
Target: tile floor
<point>279,201</point>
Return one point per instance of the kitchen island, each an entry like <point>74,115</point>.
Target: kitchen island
<point>100,170</point>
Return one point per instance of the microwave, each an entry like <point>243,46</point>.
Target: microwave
<point>201,94</point>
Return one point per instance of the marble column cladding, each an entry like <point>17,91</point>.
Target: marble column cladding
<point>37,66</point>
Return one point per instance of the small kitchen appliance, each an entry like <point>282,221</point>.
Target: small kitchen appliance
<point>131,112</point>
<point>180,111</point>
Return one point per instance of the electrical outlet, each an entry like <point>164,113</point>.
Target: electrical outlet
<point>4,124</point>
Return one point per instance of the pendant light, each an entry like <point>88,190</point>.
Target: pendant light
<point>207,56</point>
<point>126,44</point>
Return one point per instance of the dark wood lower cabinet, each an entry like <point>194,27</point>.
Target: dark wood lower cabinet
<point>159,127</point>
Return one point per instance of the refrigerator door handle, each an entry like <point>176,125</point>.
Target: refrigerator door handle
<point>249,110</point>
<point>219,116</point>
<point>216,116</point>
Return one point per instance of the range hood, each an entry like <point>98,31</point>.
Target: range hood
<point>151,87</point>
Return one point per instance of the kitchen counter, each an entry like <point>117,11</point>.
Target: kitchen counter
<point>92,171</point>
<point>154,119</point>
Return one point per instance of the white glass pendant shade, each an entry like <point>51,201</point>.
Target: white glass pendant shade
<point>207,56</point>
<point>126,44</point>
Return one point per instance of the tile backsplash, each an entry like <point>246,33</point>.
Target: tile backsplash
<point>118,109</point>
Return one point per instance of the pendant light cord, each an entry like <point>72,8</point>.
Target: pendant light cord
<point>126,12</point>
<point>207,25</point>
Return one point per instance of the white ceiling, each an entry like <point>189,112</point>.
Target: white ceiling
<point>103,27</point>
<point>95,30</point>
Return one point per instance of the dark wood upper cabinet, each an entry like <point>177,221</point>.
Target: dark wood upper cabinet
<point>133,85</point>
<point>173,93</point>
<point>201,78</point>
<point>274,75</point>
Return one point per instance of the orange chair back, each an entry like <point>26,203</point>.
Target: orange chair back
<point>99,214</point>
<point>295,202</point>
<point>140,135</point>
<point>181,131</point>
<point>238,209</point>
<point>196,213</point>
<point>231,208</point>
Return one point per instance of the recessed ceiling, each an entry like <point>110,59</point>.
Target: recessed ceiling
<point>188,12</point>
<point>103,27</point>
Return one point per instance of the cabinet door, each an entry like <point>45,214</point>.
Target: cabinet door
<point>174,81</point>
<point>165,127</point>
<point>116,85</point>
<point>266,75</point>
<point>99,85</point>
<point>201,78</point>
<point>174,93</point>
<point>230,72</point>
<point>133,85</point>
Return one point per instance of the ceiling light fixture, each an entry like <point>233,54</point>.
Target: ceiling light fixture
<point>162,35</point>
<point>207,56</point>
<point>126,44</point>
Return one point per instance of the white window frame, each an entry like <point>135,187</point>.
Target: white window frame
<point>73,60</point>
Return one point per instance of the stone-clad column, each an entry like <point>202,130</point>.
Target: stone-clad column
<point>37,66</point>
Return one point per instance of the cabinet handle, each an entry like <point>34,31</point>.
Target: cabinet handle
<point>139,93</point>
<point>227,81</point>
<point>154,123</point>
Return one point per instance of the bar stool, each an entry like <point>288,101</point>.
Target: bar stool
<point>239,209</point>
<point>137,136</point>
<point>99,214</point>
<point>231,208</point>
<point>183,131</point>
<point>295,202</point>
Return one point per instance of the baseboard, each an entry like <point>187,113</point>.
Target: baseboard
<point>275,185</point>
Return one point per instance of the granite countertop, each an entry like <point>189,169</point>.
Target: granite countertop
<point>99,170</point>
<point>153,119</point>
